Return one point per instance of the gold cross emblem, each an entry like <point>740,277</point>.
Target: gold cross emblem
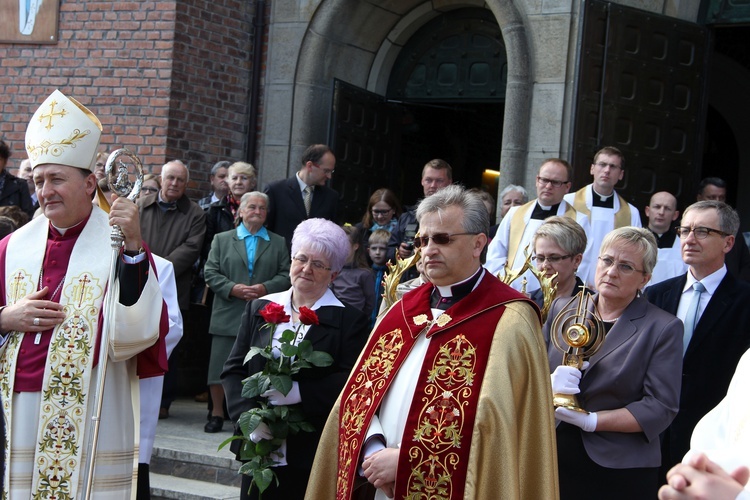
<point>52,113</point>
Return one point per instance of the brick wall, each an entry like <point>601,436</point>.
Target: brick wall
<point>166,79</point>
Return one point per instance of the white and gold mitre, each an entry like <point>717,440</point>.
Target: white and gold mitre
<point>63,131</point>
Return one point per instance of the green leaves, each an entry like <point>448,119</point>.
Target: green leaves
<point>281,365</point>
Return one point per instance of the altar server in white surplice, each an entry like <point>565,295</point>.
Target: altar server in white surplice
<point>661,213</point>
<point>517,228</point>
<point>605,208</point>
<point>55,273</point>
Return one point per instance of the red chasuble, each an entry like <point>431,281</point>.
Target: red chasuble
<point>437,435</point>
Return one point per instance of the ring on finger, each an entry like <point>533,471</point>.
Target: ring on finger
<point>36,321</point>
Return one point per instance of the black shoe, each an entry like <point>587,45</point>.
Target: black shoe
<point>214,425</point>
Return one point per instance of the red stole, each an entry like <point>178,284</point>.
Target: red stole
<point>437,435</point>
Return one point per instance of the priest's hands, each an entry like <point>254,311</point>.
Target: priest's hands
<point>31,314</point>
<point>586,421</point>
<point>699,478</point>
<point>565,379</point>
<point>276,398</point>
<point>261,432</point>
<point>380,470</point>
<point>124,213</point>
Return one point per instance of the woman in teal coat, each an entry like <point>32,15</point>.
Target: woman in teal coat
<point>243,264</point>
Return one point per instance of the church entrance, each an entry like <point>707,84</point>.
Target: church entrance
<point>445,99</point>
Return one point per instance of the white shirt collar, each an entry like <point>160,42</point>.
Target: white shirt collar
<point>447,291</point>
<point>711,282</point>
<point>285,299</point>
<point>301,183</point>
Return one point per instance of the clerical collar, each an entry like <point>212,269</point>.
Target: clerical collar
<point>600,200</point>
<point>541,212</point>
<point>444,297</point>
<point>73,230</point>
<point>665,240</point>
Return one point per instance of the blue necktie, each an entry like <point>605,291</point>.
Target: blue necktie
<point>691,319</point>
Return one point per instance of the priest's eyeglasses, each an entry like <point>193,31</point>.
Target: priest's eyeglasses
<point>622,267</point>
<point>700,233</point>
<point>544,181</point>
<point>552,259</point>
<point>437,238</point>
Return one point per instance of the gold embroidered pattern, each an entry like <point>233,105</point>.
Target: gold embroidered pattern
<point>365,386</point>
<point>51,114</point>
<point>443,320</point>
<point>421,319</point>
<point>56,148</point>
<point>433,456</point>
<point>63,410</point>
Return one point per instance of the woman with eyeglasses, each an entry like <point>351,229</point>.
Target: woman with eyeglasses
<point>630,387</point>
<point>558,245</point>
<point>383,211</point>
<point>320,249</point>
<point>151,185</point>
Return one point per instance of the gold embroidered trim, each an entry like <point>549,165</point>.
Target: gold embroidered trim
<point>56,148</point>
<point>421,319</point>
<point>364,387</point>
<point>434,455</point>
<point>443,320</point>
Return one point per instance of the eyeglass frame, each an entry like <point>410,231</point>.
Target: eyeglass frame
<point>381,212</point>
<point>420,241</point>
<point>326,171</point>
<point>316,265</point>
<point>149,189</point>
<point>552,259</point>
<point>544,181</point>
<point>708,231</point>
<point>622,267</point>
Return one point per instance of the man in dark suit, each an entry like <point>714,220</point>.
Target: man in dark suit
<point>713,304</point>
<point>305,195</point>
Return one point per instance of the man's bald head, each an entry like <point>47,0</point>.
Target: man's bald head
<point>661,212</point>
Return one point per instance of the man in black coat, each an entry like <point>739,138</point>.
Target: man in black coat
<point>721,320</point>
<point>286,198</point>
<point>13,191</point>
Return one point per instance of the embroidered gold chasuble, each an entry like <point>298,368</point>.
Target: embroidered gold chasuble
<point>47,432</point>
<point>480,424</point>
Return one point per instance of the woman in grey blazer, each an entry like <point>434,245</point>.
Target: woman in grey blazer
<point>630,387</point>
<point>243,264</point>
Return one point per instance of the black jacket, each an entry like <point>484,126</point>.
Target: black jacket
<point>16,192</point>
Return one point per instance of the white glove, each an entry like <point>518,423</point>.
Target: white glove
<point>261,432</point>
<point>278,399</point>
<point>565,379</point>
<point>586,421</point>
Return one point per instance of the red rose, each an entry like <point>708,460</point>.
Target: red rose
<point>274,313</point>
<point>307,316</point>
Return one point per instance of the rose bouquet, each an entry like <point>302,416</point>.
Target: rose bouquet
<point>265,427</point>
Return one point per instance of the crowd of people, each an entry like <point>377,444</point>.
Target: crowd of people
<point>446,393</point>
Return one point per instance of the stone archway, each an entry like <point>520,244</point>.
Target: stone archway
<point>362,51</point>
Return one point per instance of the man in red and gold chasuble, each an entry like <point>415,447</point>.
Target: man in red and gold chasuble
<point>451,396</point>
<point>55,278</point>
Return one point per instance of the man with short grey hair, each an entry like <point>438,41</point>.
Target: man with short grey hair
<point>453,359</point>
<point>713,304</point>
<point>218,179</point>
